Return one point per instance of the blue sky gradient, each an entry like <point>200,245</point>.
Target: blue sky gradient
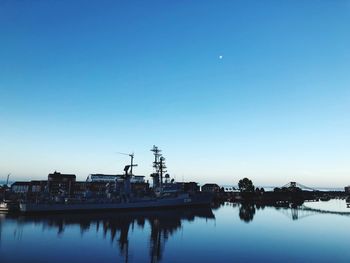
<point>82,80</point>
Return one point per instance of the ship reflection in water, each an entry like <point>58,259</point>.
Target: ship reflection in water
<point>117,226</point>
<point>311,232</point>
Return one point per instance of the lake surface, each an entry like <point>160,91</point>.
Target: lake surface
<point>226,233</point>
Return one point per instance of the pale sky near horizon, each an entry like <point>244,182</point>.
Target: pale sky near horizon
<point>227,89</point>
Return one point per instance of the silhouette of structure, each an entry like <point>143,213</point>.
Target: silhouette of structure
<point>303,211</point>
<point>163,224</point>
<point>298,185</point>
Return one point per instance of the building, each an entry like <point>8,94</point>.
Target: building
<point>30,189</point>
<point>211,188</point>
<point>80,188</point>
<point>137,179</point>
<point>111,178</point>
<point>347,189</point>
<point>20,187</point>
<point>38,186</point>
<point>189,186</point>
<point>106,178</point>
<point>58,183</point>
<point>97,188</point>
<point>2,192</point>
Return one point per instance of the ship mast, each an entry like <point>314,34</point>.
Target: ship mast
<point>158,164</point>
<point>162,168</point>
<point>131,155</point>
<point>132,163</point>
<point>127,175</point>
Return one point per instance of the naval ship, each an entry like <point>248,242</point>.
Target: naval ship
<point>165,193</point>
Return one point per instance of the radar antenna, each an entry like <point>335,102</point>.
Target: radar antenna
<point>131,155</point>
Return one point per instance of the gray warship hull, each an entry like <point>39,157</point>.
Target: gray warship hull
<point>157,203</point>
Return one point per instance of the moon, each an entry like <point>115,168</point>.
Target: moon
<point>221,57</point>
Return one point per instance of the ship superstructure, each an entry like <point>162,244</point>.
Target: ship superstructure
<point>111,192</point>
<point>162,184</point>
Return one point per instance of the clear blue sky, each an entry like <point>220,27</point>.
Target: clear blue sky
<point>82,80</point>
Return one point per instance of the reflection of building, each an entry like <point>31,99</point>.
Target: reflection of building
<point>210,188</point>
<point>61,182</point>
<point>347,189</point>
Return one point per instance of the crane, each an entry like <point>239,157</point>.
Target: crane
<point>7,180</point>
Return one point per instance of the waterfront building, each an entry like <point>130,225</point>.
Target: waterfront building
<point>97,188</point>
<point>2,192</point>
<point>111,178</point>
<point>347,189</point>
<point>189,186</point>
<point>211,188</point>
<point>106,178</point>
<point>20,187</point>
<point>29,188</point>
<point>80,188</point>
<point>61,182</point>
<point>37,186</point>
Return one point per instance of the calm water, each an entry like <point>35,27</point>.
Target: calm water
<point>228,233</point>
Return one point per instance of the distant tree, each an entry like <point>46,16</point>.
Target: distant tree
<point>246,186</point>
